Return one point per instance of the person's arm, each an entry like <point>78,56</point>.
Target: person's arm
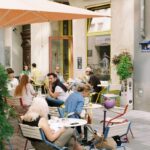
<point>32,90</point>
<point>56,93</point>
<point>53,94</point>
<point>49,133</point>
<point>79,107</point>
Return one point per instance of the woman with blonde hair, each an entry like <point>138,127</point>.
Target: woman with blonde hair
<point>25,91</point>
<point>37,115</point>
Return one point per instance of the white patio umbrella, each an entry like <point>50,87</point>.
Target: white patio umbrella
<point>19,12</point>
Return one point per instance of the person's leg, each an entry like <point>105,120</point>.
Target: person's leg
<point>54,102</point>
<point>68,139</point>
<point>65,138</point>
<point>40,145</point>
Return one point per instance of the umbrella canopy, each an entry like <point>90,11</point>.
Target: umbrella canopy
<point>19,12</point>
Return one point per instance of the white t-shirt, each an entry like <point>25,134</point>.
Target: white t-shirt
<point>62,94</point>
<point>12,84</point>
<point>27,94</point>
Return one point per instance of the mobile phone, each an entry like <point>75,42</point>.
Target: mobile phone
<point>74,123</point>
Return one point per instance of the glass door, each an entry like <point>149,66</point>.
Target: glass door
<point>61,54</point>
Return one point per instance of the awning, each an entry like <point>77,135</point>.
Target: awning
<point>19,12</point>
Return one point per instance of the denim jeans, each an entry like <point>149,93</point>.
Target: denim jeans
<point>54,102</point>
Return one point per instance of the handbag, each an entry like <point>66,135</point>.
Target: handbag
<point>88,119</point>
<point>99,142</point>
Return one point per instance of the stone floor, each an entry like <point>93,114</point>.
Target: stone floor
<point>140,127</point>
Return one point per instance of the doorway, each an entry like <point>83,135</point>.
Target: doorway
<point>60,53</point>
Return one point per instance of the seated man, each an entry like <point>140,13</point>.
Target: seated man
<point>75,102</point>
<point>57,91</point>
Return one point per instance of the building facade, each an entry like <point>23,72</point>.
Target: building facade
<point>70,45</point>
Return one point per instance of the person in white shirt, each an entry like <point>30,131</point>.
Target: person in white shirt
<point>12,81</point>
<point>57,91</point>
<point>25,91</point>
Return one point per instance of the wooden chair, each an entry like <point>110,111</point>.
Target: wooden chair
<point>17,104</point>
<point>54,111</point>
<point>32,132</point>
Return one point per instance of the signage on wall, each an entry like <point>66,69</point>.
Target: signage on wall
<point>145,46</point>
<point>79,62</point>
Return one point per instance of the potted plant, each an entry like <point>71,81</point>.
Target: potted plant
<point>124,65</point>
<point>6,130</point>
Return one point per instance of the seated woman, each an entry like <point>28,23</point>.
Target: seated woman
<point>94,81</point>
<point>12,81</point>
<point>25,91</point>
<point>57,91</point>
<point>75,102</point>
<point>37,115</point>
<point>25,71</point>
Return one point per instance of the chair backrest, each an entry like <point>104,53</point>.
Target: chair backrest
<point>54,111</point>
<point>30,131</point>
<point>120,113</point>
<point>37,133</point>
<point>117,129</point>
<point>13,101</point>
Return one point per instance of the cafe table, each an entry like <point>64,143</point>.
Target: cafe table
<point>108,95</point>
<point>92,106</point>
<point>66,122</point>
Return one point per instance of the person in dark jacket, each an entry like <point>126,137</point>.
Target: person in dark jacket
<point>94,82</point>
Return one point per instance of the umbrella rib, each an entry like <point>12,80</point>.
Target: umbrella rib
<point>13,19</point>
<point>39,15</point>
<point>4,15</point>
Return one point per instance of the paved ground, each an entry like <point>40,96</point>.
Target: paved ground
<point>140,126</point>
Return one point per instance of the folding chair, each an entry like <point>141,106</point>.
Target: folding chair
<point>115,130</point>
<point>32,132</point>
<point>17,104</point>
<point>118,119</point>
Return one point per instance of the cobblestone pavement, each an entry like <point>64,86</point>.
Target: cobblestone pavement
<point>140,127</point>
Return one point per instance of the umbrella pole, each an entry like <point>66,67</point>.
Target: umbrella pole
<point>104,122</point>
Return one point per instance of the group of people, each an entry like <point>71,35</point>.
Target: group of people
<point>57,95</point>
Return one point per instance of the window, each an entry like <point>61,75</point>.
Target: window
<point>98,38</point>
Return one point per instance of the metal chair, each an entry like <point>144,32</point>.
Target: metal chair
<point>117,130</point>
<point>32,132</point>
<point>114,130</point>
<point>118,119</point>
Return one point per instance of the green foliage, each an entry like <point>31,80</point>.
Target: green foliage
<point>124,65</point>
<point>6,130</point>
<point>124,68</point>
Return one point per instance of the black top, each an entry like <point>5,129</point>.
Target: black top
<point>58,83</point>
<point>94,81</point>
<point>32,123</point>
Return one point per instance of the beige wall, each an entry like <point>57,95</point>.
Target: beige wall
<point>79,35</point>
<point>40,46</point>
<point>17,50</point>
<point>79,46</point>
<point>122,35</point>
<point>13,40</point>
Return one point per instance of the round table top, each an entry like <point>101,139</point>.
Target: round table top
<point>110,95</point>
<point>103,85</point>
<point>67,122</point>
<point>92,106</point>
